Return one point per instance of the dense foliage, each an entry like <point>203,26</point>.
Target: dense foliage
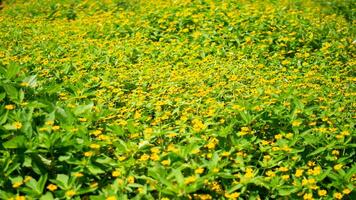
<point>177,99</point>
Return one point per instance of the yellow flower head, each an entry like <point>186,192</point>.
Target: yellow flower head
<point>17,125</point>
<point>70,193</point>
<point>116,173</point>
<point>52,187</point>
<point>338,166</point>
<point>10,107</point>
<point>322,193</point>
<point>338,195</point>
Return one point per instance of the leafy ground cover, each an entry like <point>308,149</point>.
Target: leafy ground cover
<point>177,99</point>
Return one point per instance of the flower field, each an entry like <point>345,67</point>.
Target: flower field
<point>177,99</point>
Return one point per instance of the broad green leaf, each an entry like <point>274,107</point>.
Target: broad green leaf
<point>15,142</point>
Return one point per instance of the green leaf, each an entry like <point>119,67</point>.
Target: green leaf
<point>2,96</point>
<point>94,169</point>
<point>285,191</point>
<point>12,70</point>
<point>11,91</point>
<point>61,181</point>
<point>15,142</point>
<point>47,196</point>
<point>3,118</point>
<point>83,109</point>
<point>131,126</point>
<point>41,183</point>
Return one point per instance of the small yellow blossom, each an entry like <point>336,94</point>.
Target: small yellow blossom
<point>338,195</point>
<point>94,146</point>
<point>189,180</point>
<point>299,172</point>
<point>285,177</point>
<point>144,157</point>
<point>283,169</point>
<point>52,187</point>
<point>308,196</point>
<point>338,167</point>
<point>199,170</point>
<point>88,154</point>
<point>270,173</point>
<point>20,197</point>
<point>70,193</point>
<point>78,174</point>
<point>55,128</point>
<point>322,193</point>
<point>116,173</point>
<point>233,195</point>
<point>27,179</point>
<point>249,173</point>
<point>346,191</point>
<point>111,198</point>
<point>296,123</point>
<point>130,179</point>
<point>17,125</point>
<point>16,184</point>
<point>278,136</point>
<point>166,162</point>
<point>10,107</point>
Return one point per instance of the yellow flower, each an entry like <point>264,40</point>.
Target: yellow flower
<point>189,180</point>
<point>78,174</point>
<point>234,195</point>
<point>338,167</point>
<point>245,131</point>
<point>311,181</point>
<point>116,173</point>
<point>17,125</point>
<point>285,177</point>
<point>130,179</point>
<point>283,169</point>
<point>249,173</point>
<point>154,157</point>
<point>279,136</point>
<point>10,107</point>
<point>94,184</point>
<point>199,170</point>
<point>83,119</point>
<point>144,157</point>
<point>49,123</point>
<point>311,163</point>
<point>16,184</point>
<point>346,191</point>
<point>111,198</point>
<point>24,84</point>
<point>316,170</point>
<point>88,154</point>
<point>94,146</point>
<point>55,128</point>
<point>198,125</point>
<point>20,198</point>
<point>270,173</point>
<point>27,179</point>
<point>338,195</point>
<point>296,123</point>
<point>166,162</point>
<point>70,193</point>
<point>322,193</point>
<point>345,133</point>
<point>289,135</point>
<point>96,132</point>
<point>308,196</point>
<point>52,187</point>
<point>335,152</point>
